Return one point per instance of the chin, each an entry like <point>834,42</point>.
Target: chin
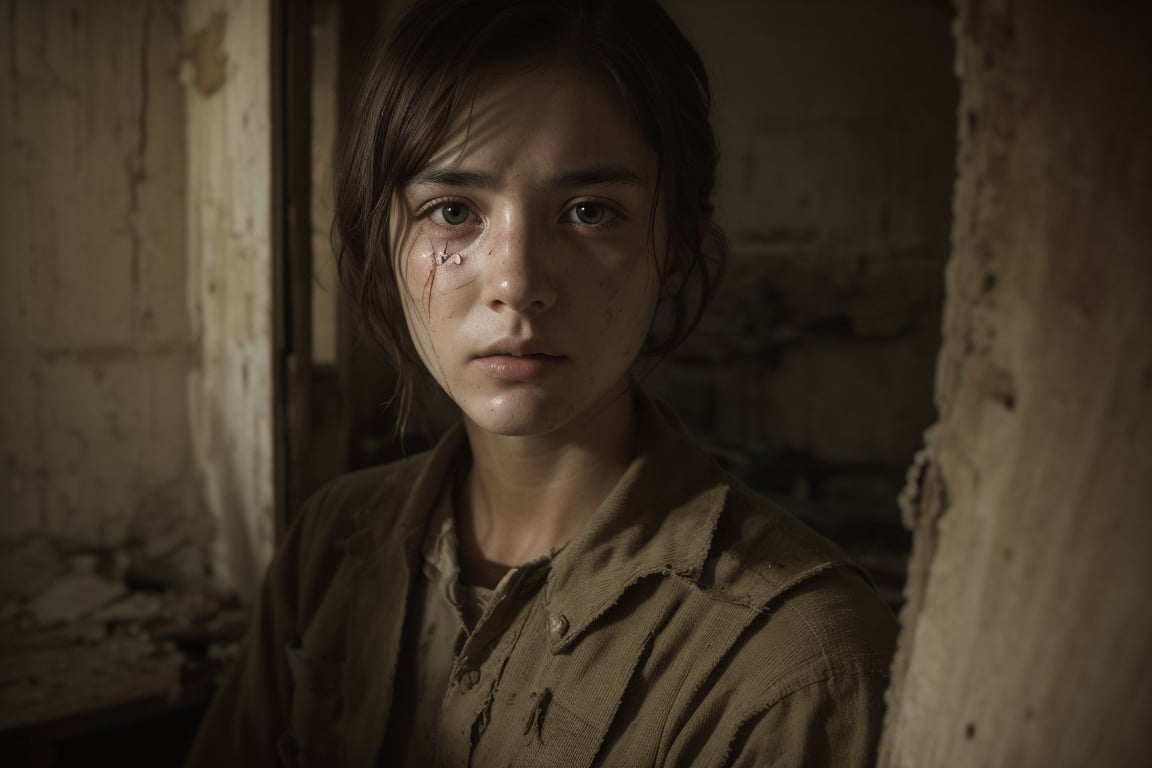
<point>516,416</point>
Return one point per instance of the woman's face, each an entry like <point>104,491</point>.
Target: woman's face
<point>540,207</point>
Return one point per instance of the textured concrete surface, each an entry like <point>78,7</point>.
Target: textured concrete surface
<point>1026,633</point>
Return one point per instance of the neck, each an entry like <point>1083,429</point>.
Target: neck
<point>525,496</point>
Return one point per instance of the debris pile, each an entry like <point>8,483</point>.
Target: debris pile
<point>79,637</point>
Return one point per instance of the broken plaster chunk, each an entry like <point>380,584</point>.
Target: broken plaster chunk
<point>136,606</point>
<point>73,597</point>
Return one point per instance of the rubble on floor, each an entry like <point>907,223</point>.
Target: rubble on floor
<point>81,638</point>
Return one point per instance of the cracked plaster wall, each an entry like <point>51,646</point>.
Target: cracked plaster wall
<point>229,219</point>
<point>135,284</point>
<point>96,343</point>
<point>1026,635</point>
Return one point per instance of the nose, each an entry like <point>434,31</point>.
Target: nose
<point>519,270</point>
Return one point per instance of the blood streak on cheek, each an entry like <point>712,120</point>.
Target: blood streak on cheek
<point>446,265</point>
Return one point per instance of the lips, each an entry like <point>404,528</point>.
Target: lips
<point>518,348</point>
<point>518,360</point>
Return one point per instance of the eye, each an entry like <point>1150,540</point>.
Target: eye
<point>450,214</point>
<point>591,214</point>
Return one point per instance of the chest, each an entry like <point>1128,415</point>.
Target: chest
<point>528,686</point>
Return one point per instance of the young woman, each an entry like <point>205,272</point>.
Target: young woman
<point>567,578</point>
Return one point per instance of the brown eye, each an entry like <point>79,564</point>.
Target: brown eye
<point>454,214</point>
<point>591,214</point>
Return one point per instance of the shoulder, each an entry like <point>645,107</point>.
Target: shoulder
<point>370,504</point>
<point>347,518</point>
<point>351,495</point>
<point>817,615</point>
<point>766,558</point>
<point>803,600</point>
<point>806,664</point>
<point>366,498</point>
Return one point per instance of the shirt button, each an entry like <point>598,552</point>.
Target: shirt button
<point>468,679</point>
<point>558,625</point>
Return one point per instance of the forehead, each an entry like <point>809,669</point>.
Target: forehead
<point>555,115</point>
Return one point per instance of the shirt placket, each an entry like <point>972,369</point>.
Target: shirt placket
<point>479,667</point>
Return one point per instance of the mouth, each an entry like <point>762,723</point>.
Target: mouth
<point>527,348</point>
<point>518,361</point>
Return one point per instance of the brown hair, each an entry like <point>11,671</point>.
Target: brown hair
<point>424,77</point>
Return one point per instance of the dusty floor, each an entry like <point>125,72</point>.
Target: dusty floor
<point>95,664</point>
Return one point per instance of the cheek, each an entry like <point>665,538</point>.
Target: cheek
<point>434,304</point>
<point>418,304</point>
<point>416,285</point>
<point>624,309</point>
<point>437,291</point>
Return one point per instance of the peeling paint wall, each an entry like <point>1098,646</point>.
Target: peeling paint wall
<point>96,343</point>
<point>229,149</point>
<point>836,127</point>
<point>1026,635</point>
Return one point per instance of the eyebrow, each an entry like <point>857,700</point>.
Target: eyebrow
<point>588,177</point>
<point>451,177</point>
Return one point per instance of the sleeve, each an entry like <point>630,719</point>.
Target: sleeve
<point>833,722</point>
<point>250,711</point>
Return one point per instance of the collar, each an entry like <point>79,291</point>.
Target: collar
<point>418,480</point>
<point>659,519</point>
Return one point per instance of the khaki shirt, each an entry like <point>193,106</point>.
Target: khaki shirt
<point>689,623</point>
<point>442,612</point>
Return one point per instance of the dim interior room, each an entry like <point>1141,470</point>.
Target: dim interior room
<point>180,370</point>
